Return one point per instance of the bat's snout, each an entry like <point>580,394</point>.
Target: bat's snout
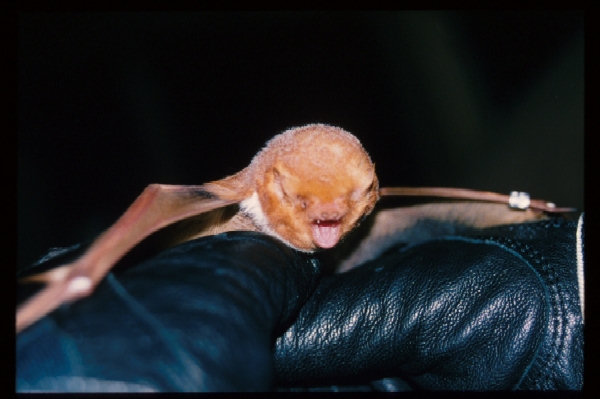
<point>326,222</point>
<point>332,211</point>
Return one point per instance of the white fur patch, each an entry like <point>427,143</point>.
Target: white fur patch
<point>251,207</point>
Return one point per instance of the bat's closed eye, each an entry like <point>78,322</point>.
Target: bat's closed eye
<point>301,200</point>
<point>279,185</point>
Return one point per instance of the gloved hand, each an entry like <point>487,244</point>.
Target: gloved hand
<point>201,316</point>
<point>497,311</point>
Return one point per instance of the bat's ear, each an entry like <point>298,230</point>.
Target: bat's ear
<point>280,181</point>
<point>276,182</point>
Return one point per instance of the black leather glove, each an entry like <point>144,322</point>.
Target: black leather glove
<point>495,311</point>
<point>498,309</point>
<point>202,316</point>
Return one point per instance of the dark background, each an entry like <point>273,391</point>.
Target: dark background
<point>110,102</point>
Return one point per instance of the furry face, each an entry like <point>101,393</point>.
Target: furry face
<point>311,195</point>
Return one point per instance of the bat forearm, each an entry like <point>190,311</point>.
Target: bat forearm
<point>157,206</point>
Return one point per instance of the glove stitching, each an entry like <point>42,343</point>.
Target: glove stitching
<point>517,250</point>
<point>542,360</point>
<point>558,308</point>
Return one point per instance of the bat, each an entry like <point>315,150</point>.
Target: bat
<point>308,187</point>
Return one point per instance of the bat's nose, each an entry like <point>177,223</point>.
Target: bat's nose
<point>329,215</point>
<point>331,211</point>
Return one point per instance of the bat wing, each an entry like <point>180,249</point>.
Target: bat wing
<point>157,206</point>
<point>462,208</point>
<point>516,199</point>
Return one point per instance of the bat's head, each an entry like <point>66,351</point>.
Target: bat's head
<point>316,184</point>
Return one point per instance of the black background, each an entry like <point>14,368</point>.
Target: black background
<point>109,102</point>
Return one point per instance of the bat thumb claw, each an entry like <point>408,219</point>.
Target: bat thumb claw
<point>50,276</point>
<point>52,297</point>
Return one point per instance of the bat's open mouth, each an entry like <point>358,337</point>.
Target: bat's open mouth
<point>326,233</point>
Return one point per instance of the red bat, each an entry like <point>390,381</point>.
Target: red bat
<point>308,187</point>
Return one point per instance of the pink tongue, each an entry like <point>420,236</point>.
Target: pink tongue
<point>326,235</point>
